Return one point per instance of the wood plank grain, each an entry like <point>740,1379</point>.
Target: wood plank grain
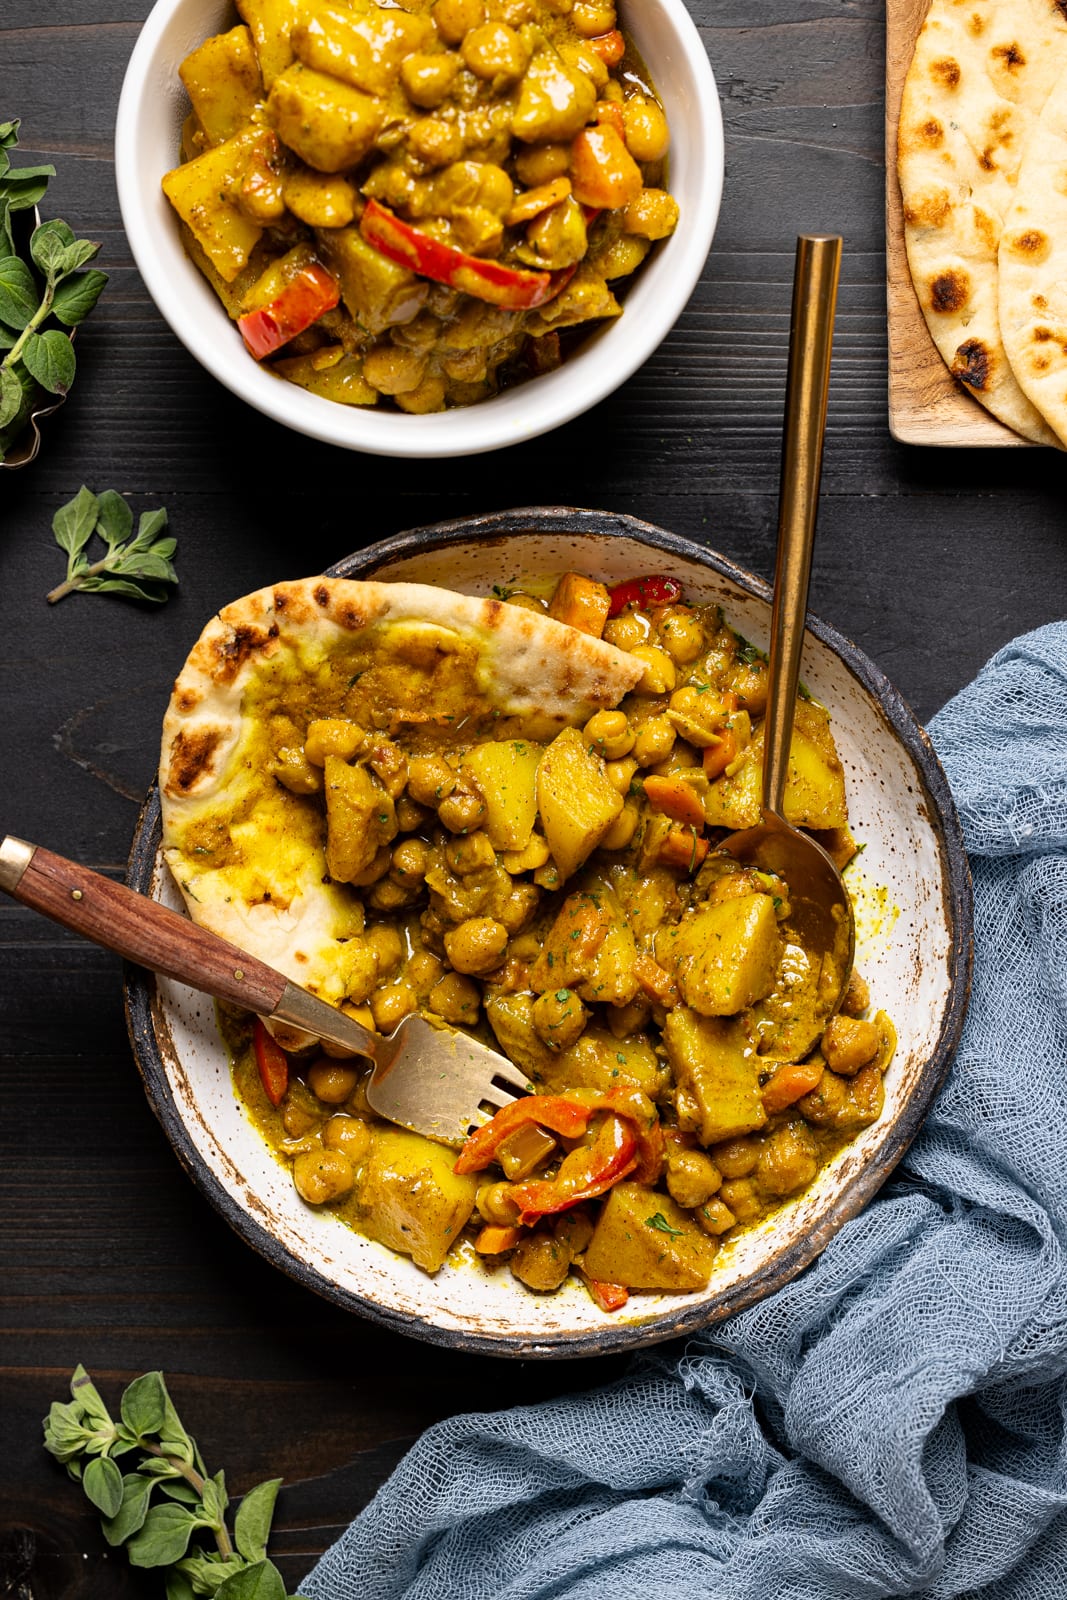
<point>926,404</point>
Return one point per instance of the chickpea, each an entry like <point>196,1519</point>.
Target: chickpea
<point>411,861</point>
<point>423,971</point>
<point>620,774</point>
<point>389,895</point>
<point>559,1018</point>
<point>527,602</point>
<point>350,1135</point>
<point>580,58</point>
<point>739,1194</point>
<point>454,18</point>
<point>857,996</point>
<point>331,1082</point>
<point>391,1004</point>
<point>393,370</point>
<point>736,1158</point>
<point>559,235</point>
<point>528,859</point>
<point>332,736</point>
<point>692,1178</point>
<point>652,214</point>
<point>429,396</point>
<point>322,1175</point>
<point>496,1204</point>
<point>298,1119</point>
<point>519,907</point>
<point>654,742</point>
<point>495,51</point>
<point>385,942</point>
<point>647,134</point>
<point>624,1021</point>
<point>430,780</point>
<point>456,999</point>
<point>611,734</point>
<point>622,829</point>
<point>464,809</point>
<point>660,676</point>
<point>540,1262</point>
<point>849,1044</point>
<point>435,142</point>
<point>409,815</point>
<point>477,945</point>
<point>748,681</point>
<point>470,853</point>
<point>628,630</point>
<point>593,17</point>
<point>428,78</point>
<point>715,1217</point>
<point>383,860</point>
<point>680,633</point>
<point>540,163</point>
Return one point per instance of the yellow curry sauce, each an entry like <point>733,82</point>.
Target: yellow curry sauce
<point>565,901</point>
<point>412,203</point>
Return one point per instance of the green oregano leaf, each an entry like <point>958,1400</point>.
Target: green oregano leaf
<point>48,243</point>
<point>260,1582</point>
<point>136,1498</point>
<point>73,523</point>
<point>114,519</point>
<point>102,1482</point>
<point>660,1223</point>
<point>164,1536</point>
<point>143,1403</point>
<point>10,396</point>
<point>18,292</point>
<point>251,1525</point>
<point>76,296</point>
<point>49,357</point>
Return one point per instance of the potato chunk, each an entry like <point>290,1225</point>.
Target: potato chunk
<point>378,293</point>
<point>271,22</point>
<point>555,102</point>
<point>360,818</point>
<point>712,1059</point>
<point>204,194</point>
<point>576,800</point>
<point>363,51</point>
<point>329,124</point>
<point>644,1241</point>
<point>506,773</point>
<point>222,80</point>
<point>411,1199</point>
<point>725,955</point>
<point>815,782</point>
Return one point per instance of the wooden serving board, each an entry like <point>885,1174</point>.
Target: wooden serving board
<point>926,404</point>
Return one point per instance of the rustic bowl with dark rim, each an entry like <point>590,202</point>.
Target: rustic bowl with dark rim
<point>911,886</point>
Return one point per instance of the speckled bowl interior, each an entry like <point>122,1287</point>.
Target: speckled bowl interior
<point>912,892</point>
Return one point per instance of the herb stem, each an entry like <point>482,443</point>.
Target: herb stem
<point>191,1476</point>
<point>39,316</point>
<point>69,585</point>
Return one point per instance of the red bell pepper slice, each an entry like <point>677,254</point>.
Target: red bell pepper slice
<point>566,1117</point>
<point>584,1174</point>
<point>512,288</point>
<point>273,1064</point>
<point>645,593</point>
<point>303,301</point>
<point>608,1296</point>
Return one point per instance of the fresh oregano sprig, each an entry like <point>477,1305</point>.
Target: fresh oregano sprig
<point>46,284</point>
<point>160,1505</point>
<point>138,567</point>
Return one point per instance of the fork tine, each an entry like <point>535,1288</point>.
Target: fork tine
<point>513,1076</point>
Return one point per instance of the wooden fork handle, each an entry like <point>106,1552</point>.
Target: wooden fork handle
<point>136,927</point>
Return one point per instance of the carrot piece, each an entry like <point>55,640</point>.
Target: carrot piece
<point>581,603</point>
<point>603,172</point>
<point>683,848</point>
<point>491,1241</point>
<point>532,202</point>
<point>655,980</point>
<point>676,797</point>
<point>610,47</point>
<point>790,1083</point>
<point>608,1296</point>
<point>717,757</point>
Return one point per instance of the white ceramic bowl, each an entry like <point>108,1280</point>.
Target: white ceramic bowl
<point>152,108</point>
<point>913,946</point>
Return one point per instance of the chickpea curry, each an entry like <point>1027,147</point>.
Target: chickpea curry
<point>562,897</point>
<point>414,203</point>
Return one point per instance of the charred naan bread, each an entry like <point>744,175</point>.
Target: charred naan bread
<point>981,73</point>
<point>1033,266</point>
<point>420,669</point>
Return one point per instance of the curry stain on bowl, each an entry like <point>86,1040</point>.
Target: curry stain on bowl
<point>914,862</point>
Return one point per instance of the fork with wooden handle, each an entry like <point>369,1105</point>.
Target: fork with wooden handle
<point>434,1080</point>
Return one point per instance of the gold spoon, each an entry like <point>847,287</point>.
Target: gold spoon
<point>821,910</point>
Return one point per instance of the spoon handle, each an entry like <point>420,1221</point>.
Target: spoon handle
<point>811,332</point>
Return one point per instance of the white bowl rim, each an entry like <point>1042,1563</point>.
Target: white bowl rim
<point>512,417</point>
<point>783,1265</point>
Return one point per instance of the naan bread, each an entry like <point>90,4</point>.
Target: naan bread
<point>981,73</point>
<point>1033,266</point>
<point>433,668</point>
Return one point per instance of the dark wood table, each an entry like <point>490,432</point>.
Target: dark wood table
<point>930,560</point>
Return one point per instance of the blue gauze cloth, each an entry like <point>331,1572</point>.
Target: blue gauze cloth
<point>893,1421</point>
